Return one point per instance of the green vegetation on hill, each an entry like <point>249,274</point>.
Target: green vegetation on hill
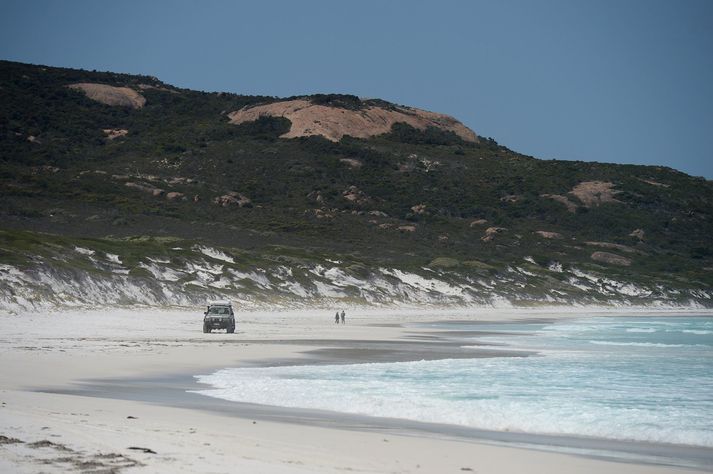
<point>408,198</point>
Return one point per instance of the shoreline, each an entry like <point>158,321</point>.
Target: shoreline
<point>560,310</point>
<point>181,390</point>
<point>145,375</point>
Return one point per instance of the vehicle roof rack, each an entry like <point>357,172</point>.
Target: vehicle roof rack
<point>219,303</point>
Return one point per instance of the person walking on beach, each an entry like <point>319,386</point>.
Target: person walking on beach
<point>343,315</point>
<point>336,318</point>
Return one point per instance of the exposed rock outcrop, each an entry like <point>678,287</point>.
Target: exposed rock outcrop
<point>611,258</point>
<point>334,122</point>
<point>548,235</point>
<point>511,198</point>
<point>590,193</point>
<point>653,183</point>
<point>174,196</point>
<point>378,214</point>
<point>110,95</point>
<point>351,162</point>
<point>419,209</point>
<point>322,213</point>
<point>355,195</point>
<point>638,233</point>
<point>233,198</point>
<point>316,196</point>
<point>491,232</point>
<point>112,133</point>
<point>152,190</point>
<point>594,193</point>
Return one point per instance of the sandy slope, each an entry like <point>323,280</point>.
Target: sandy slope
<point>76,432</point>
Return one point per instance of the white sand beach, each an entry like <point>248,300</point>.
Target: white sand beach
<point>52,421</point>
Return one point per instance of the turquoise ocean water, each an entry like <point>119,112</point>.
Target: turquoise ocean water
<point>636,378</point>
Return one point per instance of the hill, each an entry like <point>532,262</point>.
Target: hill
<point>121,189</point>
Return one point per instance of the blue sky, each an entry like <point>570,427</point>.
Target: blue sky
<point>627,81</point>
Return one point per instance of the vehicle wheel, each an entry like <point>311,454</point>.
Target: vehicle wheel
<point>206,329</point>
<point>231,329</point>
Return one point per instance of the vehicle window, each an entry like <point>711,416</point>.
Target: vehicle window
<point>219,310</point>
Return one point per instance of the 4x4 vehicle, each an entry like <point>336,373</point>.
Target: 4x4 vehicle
<point>219,315</point>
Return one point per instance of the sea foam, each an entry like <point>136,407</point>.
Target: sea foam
<point>634,389</point>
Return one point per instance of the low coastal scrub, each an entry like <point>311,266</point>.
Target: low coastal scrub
<point>76,172</point>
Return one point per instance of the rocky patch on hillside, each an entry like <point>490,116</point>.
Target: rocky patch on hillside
<point>110,95</point>
<point>333,123</point>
